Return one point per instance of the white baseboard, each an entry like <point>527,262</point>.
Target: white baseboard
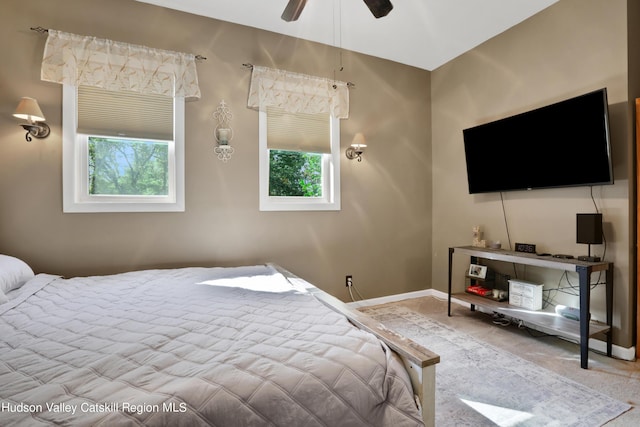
<point>392,298</point>
<point>618,352</point>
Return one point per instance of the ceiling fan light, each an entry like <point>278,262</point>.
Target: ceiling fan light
<point>379,8</point>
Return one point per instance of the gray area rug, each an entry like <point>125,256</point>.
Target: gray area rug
<point>480,385</point>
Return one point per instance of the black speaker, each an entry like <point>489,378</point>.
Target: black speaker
<point>589,231</point>
<point>589,228</point>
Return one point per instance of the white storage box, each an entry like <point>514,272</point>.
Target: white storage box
<point>525,294</point>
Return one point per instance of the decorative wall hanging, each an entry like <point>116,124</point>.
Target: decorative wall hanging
<point>223,132</point>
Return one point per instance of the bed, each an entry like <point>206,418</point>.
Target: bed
<point>235,346</point>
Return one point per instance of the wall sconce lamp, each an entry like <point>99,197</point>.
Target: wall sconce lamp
<point>29,110</point>
<point>223,132</point>
<point>357,147</point>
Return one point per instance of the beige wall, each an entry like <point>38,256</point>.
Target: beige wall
<point>382,235</point>
<point>573,47</point>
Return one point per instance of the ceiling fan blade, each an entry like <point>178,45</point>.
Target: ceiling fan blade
<point>293,10</point>
<point>379,8</point>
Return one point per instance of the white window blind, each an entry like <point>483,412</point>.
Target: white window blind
<point>134,115</point>
<point>298,131</point>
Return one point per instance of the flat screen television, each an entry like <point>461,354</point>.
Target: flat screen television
<point>564,144</point>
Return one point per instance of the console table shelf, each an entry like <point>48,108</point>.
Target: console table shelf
<point>544,321</point>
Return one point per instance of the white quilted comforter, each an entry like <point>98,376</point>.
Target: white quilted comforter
<point>195,346</point>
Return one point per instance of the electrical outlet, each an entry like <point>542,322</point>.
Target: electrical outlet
<point>349,281</point>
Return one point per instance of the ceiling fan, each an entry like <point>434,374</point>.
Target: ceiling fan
<point>379,8</point>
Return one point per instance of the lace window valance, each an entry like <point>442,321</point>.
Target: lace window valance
<point>89,61</point>
<point>298,93</point>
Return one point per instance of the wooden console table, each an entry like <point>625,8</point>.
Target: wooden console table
<point>580,331</point>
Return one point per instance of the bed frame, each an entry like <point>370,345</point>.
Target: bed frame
<point>419,361</point>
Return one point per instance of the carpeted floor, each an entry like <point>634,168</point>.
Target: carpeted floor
<point>619,380</point>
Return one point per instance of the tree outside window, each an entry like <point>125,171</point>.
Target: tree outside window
<point>295,174</point>
<point>128,167</point>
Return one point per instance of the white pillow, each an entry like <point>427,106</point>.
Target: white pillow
<point>3,298</point>
<point>13,273</point>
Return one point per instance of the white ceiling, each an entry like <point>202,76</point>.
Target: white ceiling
<point>420,33</point>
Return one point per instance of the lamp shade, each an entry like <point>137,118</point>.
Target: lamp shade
<point>28,109</point>
<point>589,228</point>
<point>359,141</point>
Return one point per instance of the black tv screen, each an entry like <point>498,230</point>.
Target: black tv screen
<point>561,145</point>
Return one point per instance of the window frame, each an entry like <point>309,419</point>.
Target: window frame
<point>75,167</point>
<point>330,201</point>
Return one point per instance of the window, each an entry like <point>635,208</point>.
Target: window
<point>299,161</point>
<point>122,151</point>
<point>299,138</point>
<point>127,167</point>
<point>123,122</point>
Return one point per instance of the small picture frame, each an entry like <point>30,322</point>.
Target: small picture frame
<point>478,271</point>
